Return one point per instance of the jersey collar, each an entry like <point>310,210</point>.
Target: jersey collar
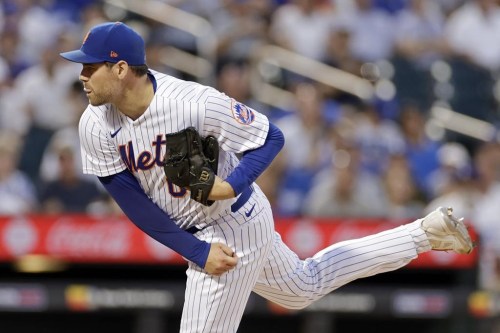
<point>153,80</point>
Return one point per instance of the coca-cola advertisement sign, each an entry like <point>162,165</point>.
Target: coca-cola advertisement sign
<point>19,236</point>
<point>81,238</point>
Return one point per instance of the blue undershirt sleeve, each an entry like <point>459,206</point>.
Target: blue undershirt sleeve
<point>254,162</point>
<point>151,219</point>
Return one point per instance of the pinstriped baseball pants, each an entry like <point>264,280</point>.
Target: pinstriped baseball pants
<point>269,268</point>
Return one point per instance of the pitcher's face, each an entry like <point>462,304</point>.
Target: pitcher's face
<point>98,83</point>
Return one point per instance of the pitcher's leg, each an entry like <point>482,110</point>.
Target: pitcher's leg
<point>215,304</point>
<point>295,283</point>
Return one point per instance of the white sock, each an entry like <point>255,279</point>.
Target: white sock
<point>419,236</point>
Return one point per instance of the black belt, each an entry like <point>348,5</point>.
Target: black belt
<point>242,199</point>
<point>194,229</point>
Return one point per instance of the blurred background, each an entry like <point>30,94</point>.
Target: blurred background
<point>390,108</point>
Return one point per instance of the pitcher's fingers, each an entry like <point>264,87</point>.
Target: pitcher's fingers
<point>227,250</point>
<point>232,262</point>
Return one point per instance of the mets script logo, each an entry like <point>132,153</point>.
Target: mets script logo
<point>242,113</point>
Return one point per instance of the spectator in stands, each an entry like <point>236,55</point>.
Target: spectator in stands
<point>50,166</point>
<point>378,138</point>
<point>69,192</point>
<point>452,182</point>
<point>419,33</point>
<point>29,18</point>
<point>306,151</point>
<point>65,138</point>
<point>454,164</point>
<point>472,35</point>
<point>421,151</point>
<point>90,15</point>
<point>371,29</point>
<point>11,65</point>
<point>45,91</point>
<point>234,79</point>
<point>419,44</point>
<point>302,26</point>
<point>17,192</point>
<point>10,103</point>
<point>403,197</point>
<point>344,189</point>
<point>338,50</point>
<point>240,27</point>
<point>486,212</point>
<point>473,32</point>
<point>10,54</point>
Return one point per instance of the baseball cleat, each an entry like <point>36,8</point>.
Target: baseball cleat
<point>447,233</point>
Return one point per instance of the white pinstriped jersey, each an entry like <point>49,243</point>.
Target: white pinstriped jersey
<point>112,142</point>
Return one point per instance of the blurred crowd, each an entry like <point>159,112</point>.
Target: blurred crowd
<point>344,156</point>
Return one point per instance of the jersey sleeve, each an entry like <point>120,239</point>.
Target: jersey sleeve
<point>100,156</point>
<point>238,127</point>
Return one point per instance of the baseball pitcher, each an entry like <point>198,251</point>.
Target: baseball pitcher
<point>166,150</point>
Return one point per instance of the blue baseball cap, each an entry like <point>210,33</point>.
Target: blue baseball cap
<point>110,42</point>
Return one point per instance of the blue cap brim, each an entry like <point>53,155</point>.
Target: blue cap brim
<point>80,57</point>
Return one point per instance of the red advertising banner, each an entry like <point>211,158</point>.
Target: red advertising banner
<point>84,239</point>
